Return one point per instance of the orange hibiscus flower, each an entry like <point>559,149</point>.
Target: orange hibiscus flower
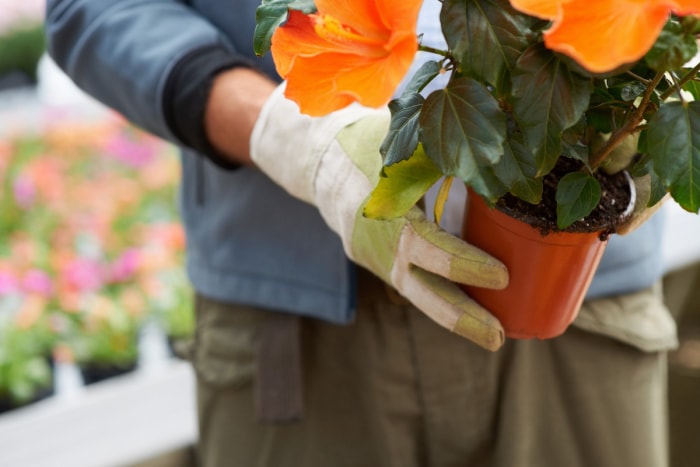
<point>604,34</point>
<point>350,50</point>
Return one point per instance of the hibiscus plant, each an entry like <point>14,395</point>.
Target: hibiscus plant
<point>608,83</point>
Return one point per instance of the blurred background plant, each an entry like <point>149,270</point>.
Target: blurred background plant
<point>25,357</point>
<point>90,246</point>
<point>21,41</point>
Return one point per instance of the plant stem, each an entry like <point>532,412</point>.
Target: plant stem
<point>688,76</point>
<point>637,77</point>
<point>427,48</point>
<point>628,128</point>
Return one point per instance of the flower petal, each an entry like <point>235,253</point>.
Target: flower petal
<point>685,7</point>
<point>400,16</point>
<point>348,51</point>
<point>331,81</point>
<point>362,16</point>
<point>603,34</point>
<point>296,37</point>
<point>545,9</point>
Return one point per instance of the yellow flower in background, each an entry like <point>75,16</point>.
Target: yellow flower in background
<point>604,34</point>
<point>349,51</point>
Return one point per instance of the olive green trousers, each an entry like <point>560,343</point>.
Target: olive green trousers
<point>395,390</point>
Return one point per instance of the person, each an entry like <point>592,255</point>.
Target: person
<point>325,339</point>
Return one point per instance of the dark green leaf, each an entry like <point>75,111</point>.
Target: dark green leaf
<point>549,98</point>
<point>691,24</point>
<point>488,185</point>
<point>674,48</point>
<point>485,36</point>
<point>462,128</point>
<point>643,167</point>
<point>578,193</point>
<point>402,139</point>
<point>572,145</point>
<point>658,190</point>
<point>517,171</point>
<point>271,14</point>
<point>673,142</point>
<point>632,90</point>
<point>578,152</point>
<point>421,78</point>
<point>402,186</point>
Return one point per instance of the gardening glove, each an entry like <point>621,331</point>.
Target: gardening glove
<point>333,163</point>
<point>620,159</point>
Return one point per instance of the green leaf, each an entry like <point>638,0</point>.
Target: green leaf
<point>271,14</point>
<point>488,185</point>
<point>658,190</point>
<point>578,193</point>
<point>517,171</point>
<point>632,90</point>
<point>402,185</point>
<point>673,142</point>
<point>643,167</point>
<point>691,24</point>
<point>485,36</point>
<point>402,139</point>
<point>549,98</point>
<point>693,87</point>
<point>673,48</point>
<point>462,128</point>
<point>420,79</point>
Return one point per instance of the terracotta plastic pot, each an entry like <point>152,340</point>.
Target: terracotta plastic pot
<point>549,275</point>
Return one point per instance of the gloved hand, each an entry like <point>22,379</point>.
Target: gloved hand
<point>333,162</point>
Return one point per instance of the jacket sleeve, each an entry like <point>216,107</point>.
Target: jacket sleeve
<point>127,54</point>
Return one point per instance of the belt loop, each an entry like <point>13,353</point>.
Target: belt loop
<point>278,379</point>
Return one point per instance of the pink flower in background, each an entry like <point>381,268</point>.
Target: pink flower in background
<point>84,198</point>
<point>135,153</point>
<point>125,266</point>
<point>24,191</point>
<point>38,282</point>
<point>84,275</point>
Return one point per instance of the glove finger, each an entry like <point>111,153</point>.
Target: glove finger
<point>446,304</point>
<point>431,248</point>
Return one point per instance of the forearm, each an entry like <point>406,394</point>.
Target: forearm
<point>234,103</point>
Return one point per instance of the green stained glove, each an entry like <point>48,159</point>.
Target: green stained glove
<point>333,162</point>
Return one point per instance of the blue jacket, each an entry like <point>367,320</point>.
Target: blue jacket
<point>248,241</point>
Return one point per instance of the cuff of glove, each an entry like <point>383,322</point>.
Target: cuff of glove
<point>277,146</point>
<point>289,146</point>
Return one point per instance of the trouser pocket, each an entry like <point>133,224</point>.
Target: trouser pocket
<point>224,351</point>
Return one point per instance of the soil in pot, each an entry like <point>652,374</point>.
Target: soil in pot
<point>615,198</point>
<point>550,270</point>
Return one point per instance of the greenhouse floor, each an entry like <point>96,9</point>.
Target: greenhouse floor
<point>146,418</point>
